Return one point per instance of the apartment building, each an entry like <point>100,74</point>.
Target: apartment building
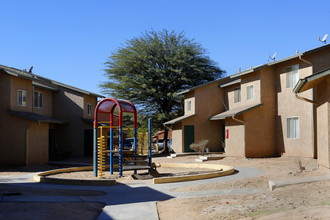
<point>258,112</point>
<point>200,104</point>
<point>41,119</point>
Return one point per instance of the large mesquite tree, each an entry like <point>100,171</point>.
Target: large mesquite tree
<point>150,69</point>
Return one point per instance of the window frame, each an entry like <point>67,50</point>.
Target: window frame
<point>23,95</point>
<point>296,132</point>
<point>237,95</point>
<point>39,96</point>
<point>289,75</point>
<point>247,92</point>
<point>89,109</point>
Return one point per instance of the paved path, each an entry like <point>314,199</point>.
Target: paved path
<point>133,201</point>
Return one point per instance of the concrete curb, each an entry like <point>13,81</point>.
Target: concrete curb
<point>42,177</point>
<point>222,170</point>
<point>273,184</point>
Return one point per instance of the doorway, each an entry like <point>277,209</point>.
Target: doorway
<point>88,142</point>
<point>189,137</point>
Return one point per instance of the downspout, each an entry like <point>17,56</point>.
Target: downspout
<point>296,93</point>
<point>236,119</point>
<point>313,110</point>
<point>241,121</point>
<point>27,142</point>
<point>32,99</point>
<point>305,99</point>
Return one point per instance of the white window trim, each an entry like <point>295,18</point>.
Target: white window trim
<point>286,76</point>
<point>89,109</point>
<point>247,92</point>
<point>23,103</point>
<point>34,104</point>
<point>239,97</point>
<point>298,133</point>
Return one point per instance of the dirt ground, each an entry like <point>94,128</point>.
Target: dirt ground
<point>310,200</point>
<point>300,201</point>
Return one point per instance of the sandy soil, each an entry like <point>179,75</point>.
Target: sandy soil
<point>286,202</point>
<point>127,175</point>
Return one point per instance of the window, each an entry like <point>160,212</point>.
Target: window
<point>292,76</point>
<point>237,95</point>
<point>21,98</point>
<point>189,106</point>
<point>292,127</point>
<point>38,99</point>
<point>89,109</point>
<point>249,92</point>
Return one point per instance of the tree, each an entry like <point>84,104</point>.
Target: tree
<point>150,69</point>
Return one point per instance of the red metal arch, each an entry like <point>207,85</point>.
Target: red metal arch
<point>108,105</point>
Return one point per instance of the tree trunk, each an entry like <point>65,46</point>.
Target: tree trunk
<point>166,151</point>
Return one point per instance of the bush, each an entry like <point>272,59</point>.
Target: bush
<point>200,146</point>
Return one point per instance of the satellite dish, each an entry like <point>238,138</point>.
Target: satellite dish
<point>324,39</point>
<point>273,57</point>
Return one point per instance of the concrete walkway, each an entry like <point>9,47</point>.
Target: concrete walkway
<point>133,201</point>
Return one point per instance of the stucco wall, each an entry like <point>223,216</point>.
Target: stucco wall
<point>323,123</point>
<point>235,143</point>
<point>12,151</point>
<point>89,100</point>
<point>20,84</point>
<point>71,136</point>
<point>290,106</point>
<point>260,140</point>
<point>209,102</point>
<point>47,103</point>
<point>247,80</point>
<point>12,131</point>
<point>319,59</point>
<point>38,144</point>
<point>177,138</point>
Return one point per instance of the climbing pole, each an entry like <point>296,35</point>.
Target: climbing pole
<point>101,156</point>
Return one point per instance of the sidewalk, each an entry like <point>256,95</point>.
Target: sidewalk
<point>134,201</point>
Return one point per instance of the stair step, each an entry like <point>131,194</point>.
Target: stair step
<point>135,161</point>
<point>146,156</point>
<point>136,167</point>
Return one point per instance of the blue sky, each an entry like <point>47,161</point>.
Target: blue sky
<point>69,41</point>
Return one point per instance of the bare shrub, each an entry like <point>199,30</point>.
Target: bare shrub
<point>200,146</point>
<point>301,167</point>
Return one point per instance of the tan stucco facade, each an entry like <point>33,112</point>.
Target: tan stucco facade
<point>29,132</point>
<point>89,100</point>
<point>204,109</point>
<point>177,138</point>
<point>235,138</point>
<point>323,123</point>
<point>47,104</point>
<point>265,128</point>
<point>289,106</point>
<point>37,146</point>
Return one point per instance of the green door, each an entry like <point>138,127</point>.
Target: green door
<point>189,137</point>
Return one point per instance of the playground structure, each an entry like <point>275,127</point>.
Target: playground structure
<point>105,124</point>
